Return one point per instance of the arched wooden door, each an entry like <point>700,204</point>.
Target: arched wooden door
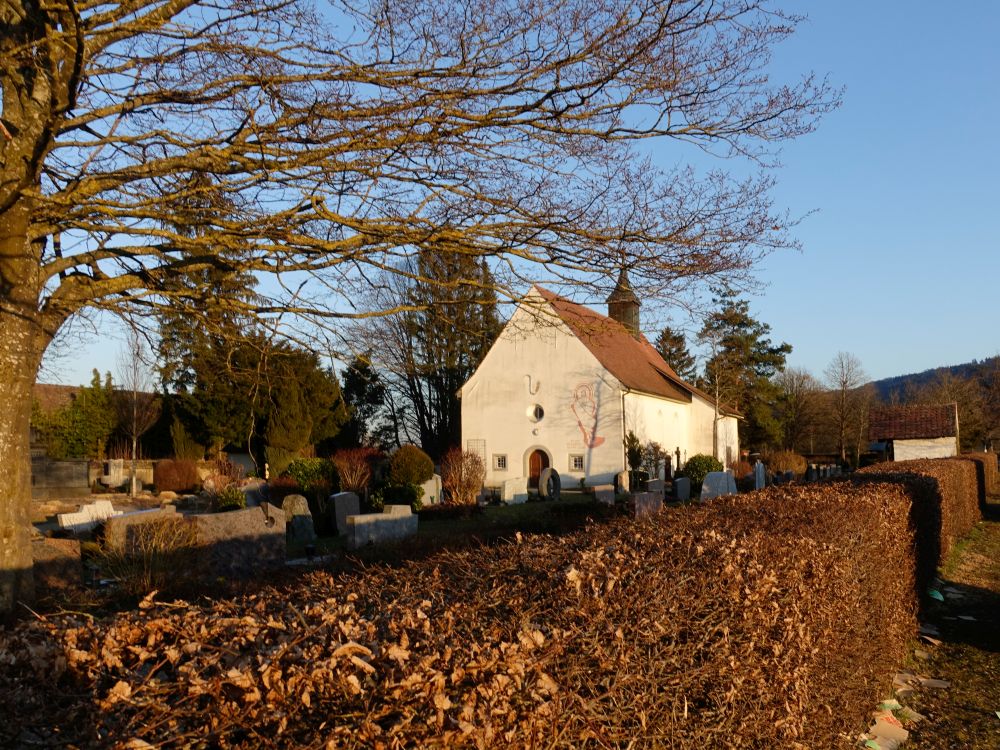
<point>537,461</point>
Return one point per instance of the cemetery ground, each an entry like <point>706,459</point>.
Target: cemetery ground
<point>967,714</point>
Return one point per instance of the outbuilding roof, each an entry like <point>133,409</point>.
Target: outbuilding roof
<point>913,421</point>
<point>631,359</point>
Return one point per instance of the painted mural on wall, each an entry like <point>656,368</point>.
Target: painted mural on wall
<point>584,408</point>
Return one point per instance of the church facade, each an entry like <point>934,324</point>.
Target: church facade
<point>563,385</point>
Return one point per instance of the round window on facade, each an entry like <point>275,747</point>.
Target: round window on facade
<point>535,413</point>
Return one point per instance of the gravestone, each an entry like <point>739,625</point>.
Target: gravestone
<point>515,491</point>
<point>812,474</point>
<point>717,484</point>
<point>395,522</point>
<point>759,477</point>
<point>299,527</point>
<point>646,504</point>
<point>605,493</point>
<point>655,485</point>
<point>622,481</point>
<point>57,565</point>
<point>345,504</point>
<point>116,473</point>
<point>242,543</point>
<point>432,490</point>
<point>118,528</point>
<point>682,488</point>
<point>87,517</point>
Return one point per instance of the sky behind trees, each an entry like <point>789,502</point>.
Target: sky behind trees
<point>897,190</point>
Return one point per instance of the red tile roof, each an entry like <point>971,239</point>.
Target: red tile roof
<point>633,361</point>
<point>913,421</point>
<point>51,397</point>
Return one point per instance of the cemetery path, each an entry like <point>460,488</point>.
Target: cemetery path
<point>965,715</point>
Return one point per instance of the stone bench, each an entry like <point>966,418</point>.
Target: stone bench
<point>395,522</point>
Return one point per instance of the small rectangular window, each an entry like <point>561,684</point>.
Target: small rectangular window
<point>499,462</point>
<point>576,463</point>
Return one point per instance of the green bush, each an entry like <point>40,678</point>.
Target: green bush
<point>230,498</point>
<point>313,475</point>
<point>410,465</point>
<point>698,467</point>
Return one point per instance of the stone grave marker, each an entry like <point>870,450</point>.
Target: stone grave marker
<point>117,528</point>
<point>87,517</point>
<point>515,491</point>
<point>655,485</point>
<point>759,476</point>
<point>682,488</point>
<point>432,490</point>
<point>299,527</point>
<point>241,543</point>
<point>395,522</point>
<point>622,481</point>
<point>605,493</point>
<point>646,503</point>
<point>345,504</point>
<point>58,566</point>
<point>717,484</point>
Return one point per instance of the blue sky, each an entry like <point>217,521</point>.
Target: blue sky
<point>899,256</point>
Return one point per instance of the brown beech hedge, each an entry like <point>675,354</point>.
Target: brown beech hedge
<point>763,620</point>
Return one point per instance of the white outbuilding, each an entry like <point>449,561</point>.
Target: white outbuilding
<point>563,385</point>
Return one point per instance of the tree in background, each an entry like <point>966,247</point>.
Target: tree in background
<point>136,403</point>
<point>844,377</point>
<point>81,428</point>
<point>673,348</point>
<point>800,409</point>
<point>430,350</point>
<point>742,366</point>
<point>339,147</point>
<point>364,396</point>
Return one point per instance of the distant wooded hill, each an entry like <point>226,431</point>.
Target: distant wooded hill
<point>898,387</point>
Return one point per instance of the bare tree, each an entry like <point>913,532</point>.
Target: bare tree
<point>136,401</point>
<point>845,376</point>
<point>800,408</point>
<point>318,145</point>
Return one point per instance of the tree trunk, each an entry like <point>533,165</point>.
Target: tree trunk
<point>22,341</point>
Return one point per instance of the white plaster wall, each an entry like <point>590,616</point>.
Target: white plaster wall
<point>659,420</point>
<point>702,416</point>
<point>676,425</point>
<point>904,450</point>
<point>544,364</point>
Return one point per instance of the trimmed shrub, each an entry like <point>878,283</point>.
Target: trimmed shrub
<point>698,467</point>
<point>986,474</point>
<point>781,461</point>
<point>314,476</point>
<point>945,508</point>
<point>410,465</point>
<point>462,476</point>
<point>176,475</point>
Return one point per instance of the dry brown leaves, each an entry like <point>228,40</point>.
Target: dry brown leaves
<point>772,617</point>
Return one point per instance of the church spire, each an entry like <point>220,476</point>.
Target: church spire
<point>623,305</point>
